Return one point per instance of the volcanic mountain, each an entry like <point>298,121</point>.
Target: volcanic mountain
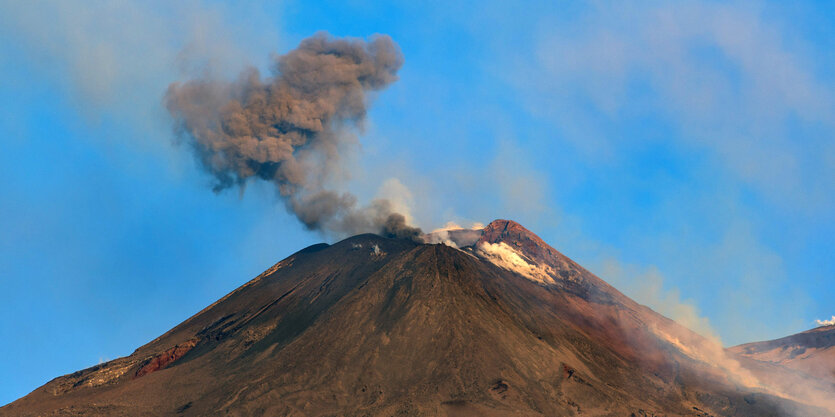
<point>486,322</point>
<point>800,365</point>
<point>811,352</point>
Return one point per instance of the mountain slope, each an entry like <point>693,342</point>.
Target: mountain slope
<point>812,352</point>
<point>503,325</point>
<point>802,365</point>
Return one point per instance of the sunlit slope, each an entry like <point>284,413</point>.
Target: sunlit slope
<point>375,326</point>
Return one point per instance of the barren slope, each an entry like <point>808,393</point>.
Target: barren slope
<point>802,365</point>
<point>375,326</point>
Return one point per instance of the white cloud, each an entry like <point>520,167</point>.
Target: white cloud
<point>830,322</point>
<point>725,76</point>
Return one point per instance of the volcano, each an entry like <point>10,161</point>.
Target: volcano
<point>801,365</point>
<point>486,322</point>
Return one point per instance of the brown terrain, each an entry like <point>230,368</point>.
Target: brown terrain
<point>801,365</point>
<point>501,325</point>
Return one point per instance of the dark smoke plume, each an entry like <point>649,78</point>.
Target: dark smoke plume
<point>288,128</point>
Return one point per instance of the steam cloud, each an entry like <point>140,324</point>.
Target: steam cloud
<point>289,128</point>
<point>829,322</point>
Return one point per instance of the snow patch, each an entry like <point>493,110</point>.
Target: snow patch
<point>504,256</point>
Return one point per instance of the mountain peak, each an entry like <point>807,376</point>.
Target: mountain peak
<point>494,322</point>
<point>502,224</point>
<point>527,243</point>
<point>515,235</point>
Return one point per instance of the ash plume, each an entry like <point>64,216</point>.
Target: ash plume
<point>289,128</point>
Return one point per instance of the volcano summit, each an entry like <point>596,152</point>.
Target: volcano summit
<point>490,322</point>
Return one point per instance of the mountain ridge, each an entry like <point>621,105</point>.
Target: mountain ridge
<point>378,326</point>
<point>801,364</point>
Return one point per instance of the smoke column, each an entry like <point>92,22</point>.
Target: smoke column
<point>288,128</point>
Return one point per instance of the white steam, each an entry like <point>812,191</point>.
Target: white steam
<point>830,322</point>
<point>454,235</point>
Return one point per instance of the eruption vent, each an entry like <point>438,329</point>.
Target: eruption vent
<point>288,128</point>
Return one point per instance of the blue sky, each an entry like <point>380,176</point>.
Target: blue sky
<point>684,152</point>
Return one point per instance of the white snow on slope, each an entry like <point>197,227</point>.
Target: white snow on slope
<point>504,256</point>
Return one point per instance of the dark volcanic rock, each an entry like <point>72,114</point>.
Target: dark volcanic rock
<point>380,327</point>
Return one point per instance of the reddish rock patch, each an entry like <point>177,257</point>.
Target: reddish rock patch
<point>166,358</point>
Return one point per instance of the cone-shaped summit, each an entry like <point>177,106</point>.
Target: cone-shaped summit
<point>495,322</point>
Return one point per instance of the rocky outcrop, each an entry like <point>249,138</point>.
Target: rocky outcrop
<point>166,358</point>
